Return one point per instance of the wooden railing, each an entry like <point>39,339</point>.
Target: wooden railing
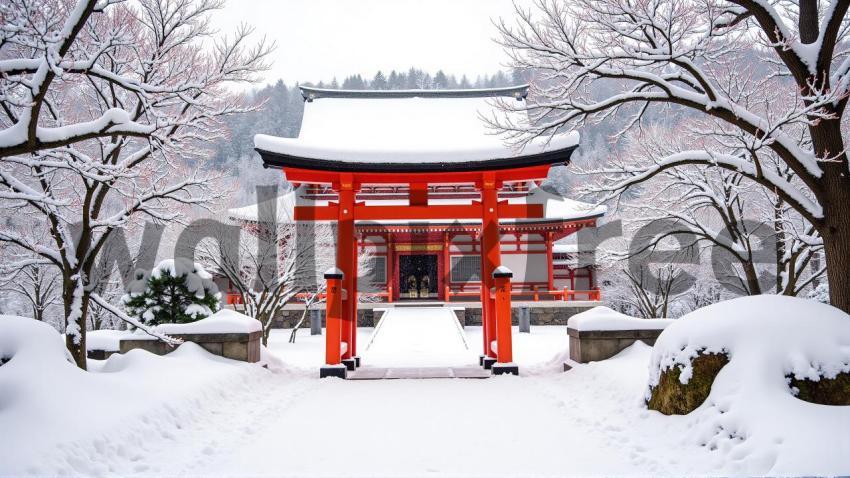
<point>537,293</point>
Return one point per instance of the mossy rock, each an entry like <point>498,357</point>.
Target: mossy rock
<point>671,397</point>
<point>826,391</point>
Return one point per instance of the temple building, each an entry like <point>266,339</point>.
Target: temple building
<point>449,209</point>
<point>426,259</point>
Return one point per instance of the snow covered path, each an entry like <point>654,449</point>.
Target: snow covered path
<point>418,337</point>
<point>417,428</point>
<point>584,422</point>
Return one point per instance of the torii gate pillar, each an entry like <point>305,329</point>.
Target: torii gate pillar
<point>491,258</point>
<point>346,260</point>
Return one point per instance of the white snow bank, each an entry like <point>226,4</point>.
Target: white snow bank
<point>225,321</point>
<point>24,339</point>
<point>108,340</point>
<point>56,419</point>
<point>603,318</point>
<point>751,411</point>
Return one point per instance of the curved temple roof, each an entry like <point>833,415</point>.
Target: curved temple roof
<point>409,131</point>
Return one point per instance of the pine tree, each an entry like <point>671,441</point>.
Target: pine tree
<point>394,82</point>
<point>441,81</point>
<point>413,79</point>
<point>379,82</point>
<point>176,291</point>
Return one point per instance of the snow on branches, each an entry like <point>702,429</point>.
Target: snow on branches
<point>765,78</point>
<point>103,111</point>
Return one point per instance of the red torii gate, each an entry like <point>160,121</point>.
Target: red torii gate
<point>438,138</point>
<point>341,318</point>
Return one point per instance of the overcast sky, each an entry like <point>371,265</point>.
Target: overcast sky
<point>320,39</point>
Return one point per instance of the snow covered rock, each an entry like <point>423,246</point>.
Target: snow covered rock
<point>226,333</point>
<point>225,321</point>
<point>601,333</point>
<point>751,407</point>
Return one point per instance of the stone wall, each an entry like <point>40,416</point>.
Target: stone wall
<point>288,317</point>
<point>236,346</point>
<point>549,314</point>
<point>594,345</point>
<point>97,354</point>
<point>541,313</point>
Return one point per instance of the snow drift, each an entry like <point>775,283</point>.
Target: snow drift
<point>58,419</point>
<point>751,408</point>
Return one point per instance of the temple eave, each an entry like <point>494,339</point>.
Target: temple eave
<point>284,161</point>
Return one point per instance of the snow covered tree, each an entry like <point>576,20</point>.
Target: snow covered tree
<point>102,109</point>
<point>741,227</point>
<point>270,265</point>
<point>653,301</point>
<point>37,284</point>
<point>379,82</point>
<point>777,74</point>
<point>175,291</point>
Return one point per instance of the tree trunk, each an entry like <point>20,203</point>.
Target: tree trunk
<point>264,319</point>
<point>834,197</point>
<point>752,278</point>
<point>75,312</point>
<point>298,324</point>
<point>836,247</point>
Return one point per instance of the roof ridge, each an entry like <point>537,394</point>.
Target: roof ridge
<point>519,92</point>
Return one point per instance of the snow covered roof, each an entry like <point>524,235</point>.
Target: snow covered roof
<point>408,130</point>
<point>555,208</point>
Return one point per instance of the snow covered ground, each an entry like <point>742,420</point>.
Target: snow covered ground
<point>193,414</point>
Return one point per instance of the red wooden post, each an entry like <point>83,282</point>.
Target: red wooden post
<point>391,274</point>
<point>550,261</point>
<point>446,267</point>
<point>353,301</point>
<point>490,259</point>
<point>346,260</point>
<point>504,343</point>
<point>333,326</point>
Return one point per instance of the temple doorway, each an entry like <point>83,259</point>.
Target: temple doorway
<point>417,277</point>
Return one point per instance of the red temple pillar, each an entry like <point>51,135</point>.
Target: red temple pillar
<point>333,326</point>
<point>490,259</point>
<point>346,261</point>
<point>550,261</point>
<point>446,267</point>
<point>504,343</point>
<point>353,301</point>
<point>391,276</point>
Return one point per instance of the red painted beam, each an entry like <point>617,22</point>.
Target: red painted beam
<point>418,194</point>
<point>471,177</point>
<point>373,213</point>
<point>417,212</point>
